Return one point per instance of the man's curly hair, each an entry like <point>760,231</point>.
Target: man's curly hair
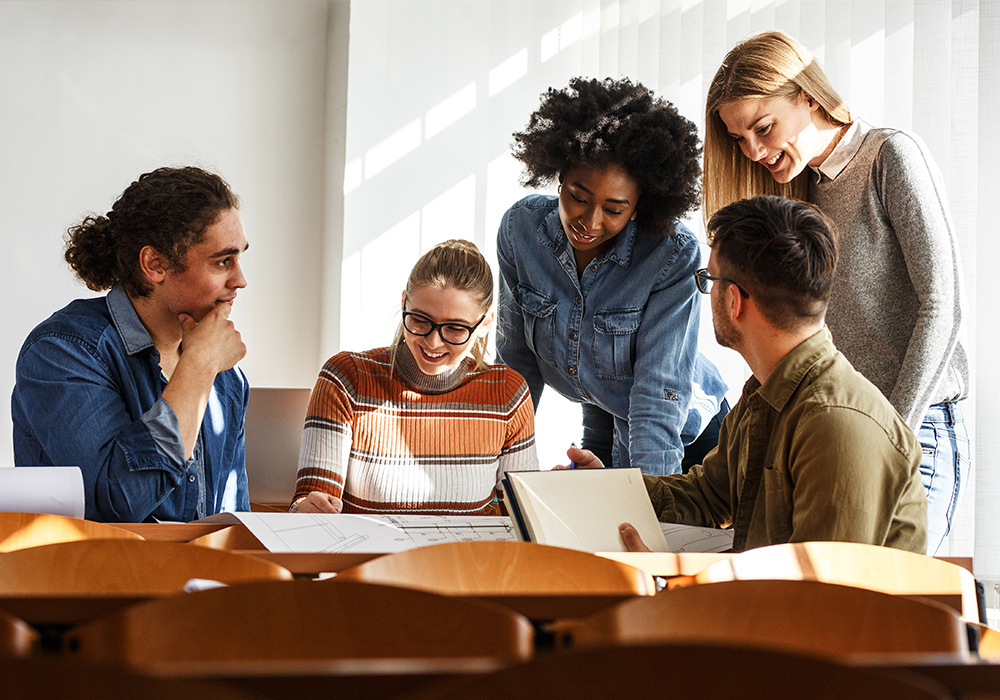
<point>601,122</point>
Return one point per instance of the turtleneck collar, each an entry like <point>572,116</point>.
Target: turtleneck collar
<point>442,383</point>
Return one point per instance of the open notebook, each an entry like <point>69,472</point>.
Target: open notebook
<point>582,509</point>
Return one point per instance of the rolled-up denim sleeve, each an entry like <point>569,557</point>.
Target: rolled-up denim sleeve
<point>165,430</point>
<point>665,353</point>
<point>73,406</point>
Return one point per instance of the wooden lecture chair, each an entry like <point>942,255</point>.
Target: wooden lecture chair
<point>796,616</point>
<point>850,564</point>
<point>302,620</point>
<point>124,566</point>
<point>41,678</point>
<point>989,643</point>
<point>17,637</point>
<point>682,671</point>
<point>20,530</point>
<point>502,568</point>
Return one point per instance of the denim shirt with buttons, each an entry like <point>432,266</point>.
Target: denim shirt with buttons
<point>88,394</point>
<point>622,336</point>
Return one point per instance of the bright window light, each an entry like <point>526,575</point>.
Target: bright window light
<point>382,155</point>
<point>450,110</point>
<point>353,175</point>
<point>508,72</point>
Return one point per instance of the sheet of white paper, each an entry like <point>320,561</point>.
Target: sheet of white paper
<point>688,538</point>
<point>322,532</point>
<point>582,509</point>
<point>55,490</point>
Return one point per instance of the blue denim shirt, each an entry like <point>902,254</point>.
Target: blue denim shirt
<point>88,394</point>
<point>623,337</point>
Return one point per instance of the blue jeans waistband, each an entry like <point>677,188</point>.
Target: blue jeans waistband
<point>947,412</point>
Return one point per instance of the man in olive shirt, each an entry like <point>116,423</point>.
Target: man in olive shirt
<point>812,450</point>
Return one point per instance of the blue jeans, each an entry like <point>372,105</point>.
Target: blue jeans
<point>944,467</point>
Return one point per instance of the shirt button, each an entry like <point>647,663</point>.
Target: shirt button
<point>593,268</point>
<point>671,395</point>
<point>191,478</point>
<point>572,335</point>
<point>572,370</point>
<point>579,300</point>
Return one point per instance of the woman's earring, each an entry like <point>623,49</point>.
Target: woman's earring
<point>559,189</point>
<point>634,212</point>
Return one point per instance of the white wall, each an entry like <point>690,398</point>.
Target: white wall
<point>94,93</point>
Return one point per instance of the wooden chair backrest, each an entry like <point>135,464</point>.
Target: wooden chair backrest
<point>45,678</point>
<point>989,643</point>
<point>706,672</point>
<point>851,564</point>
<point>232,537</point>
<point>797,616</point>
<point>17,637</point>
<point>20,530</point>
<point>124,566</point>
<point>303,619</point>
<point>497,568</point>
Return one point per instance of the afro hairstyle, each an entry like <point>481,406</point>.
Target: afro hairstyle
<point>597,123</point>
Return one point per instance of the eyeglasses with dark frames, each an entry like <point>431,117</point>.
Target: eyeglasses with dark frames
<point>705,280</point>
<point>451,333</point>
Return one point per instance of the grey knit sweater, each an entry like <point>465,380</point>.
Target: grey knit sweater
<point>896,307</point>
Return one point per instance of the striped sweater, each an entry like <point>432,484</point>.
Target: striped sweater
<point>426,444</point>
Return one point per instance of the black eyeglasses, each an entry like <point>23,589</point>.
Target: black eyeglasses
<point>451,333</point>
<point>704,282</point>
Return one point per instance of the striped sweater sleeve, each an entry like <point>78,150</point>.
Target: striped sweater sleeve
<point>518,453</point>
<point>327,435</point>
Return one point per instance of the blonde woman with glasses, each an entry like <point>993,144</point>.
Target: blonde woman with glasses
<point>426,425</point>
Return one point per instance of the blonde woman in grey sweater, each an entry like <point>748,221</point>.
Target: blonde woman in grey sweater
<point>775,125</point>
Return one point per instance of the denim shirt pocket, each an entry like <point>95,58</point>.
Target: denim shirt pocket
<point>538,312</point>
<point>614,342</point>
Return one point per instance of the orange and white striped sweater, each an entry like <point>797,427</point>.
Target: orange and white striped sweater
<point>407,442</point>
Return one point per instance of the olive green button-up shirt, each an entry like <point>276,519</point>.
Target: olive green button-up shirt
<point>816,452</point>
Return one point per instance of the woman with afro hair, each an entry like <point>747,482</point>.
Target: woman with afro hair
<point>597,293</point>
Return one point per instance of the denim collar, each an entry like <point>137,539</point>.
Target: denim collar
<point>551,235</point>
<point>123,315</point>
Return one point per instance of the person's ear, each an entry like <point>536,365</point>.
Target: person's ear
<point>486,324</point>
<point>153,265</point>
<point>735,302</point>
<point>811,103</point>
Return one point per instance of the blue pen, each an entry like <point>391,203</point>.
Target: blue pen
<point>572,464</point>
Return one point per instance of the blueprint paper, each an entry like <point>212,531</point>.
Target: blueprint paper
<point>324,532</point>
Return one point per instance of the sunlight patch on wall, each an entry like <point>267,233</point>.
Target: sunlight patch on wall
<point>611,16</point>
<point>507,72</point>
<point>450,110</point>
<point>353,175</point>
<point>378,275</point>
<point>562,37</point>
<point>392,148</point>
<point>452,214</point>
